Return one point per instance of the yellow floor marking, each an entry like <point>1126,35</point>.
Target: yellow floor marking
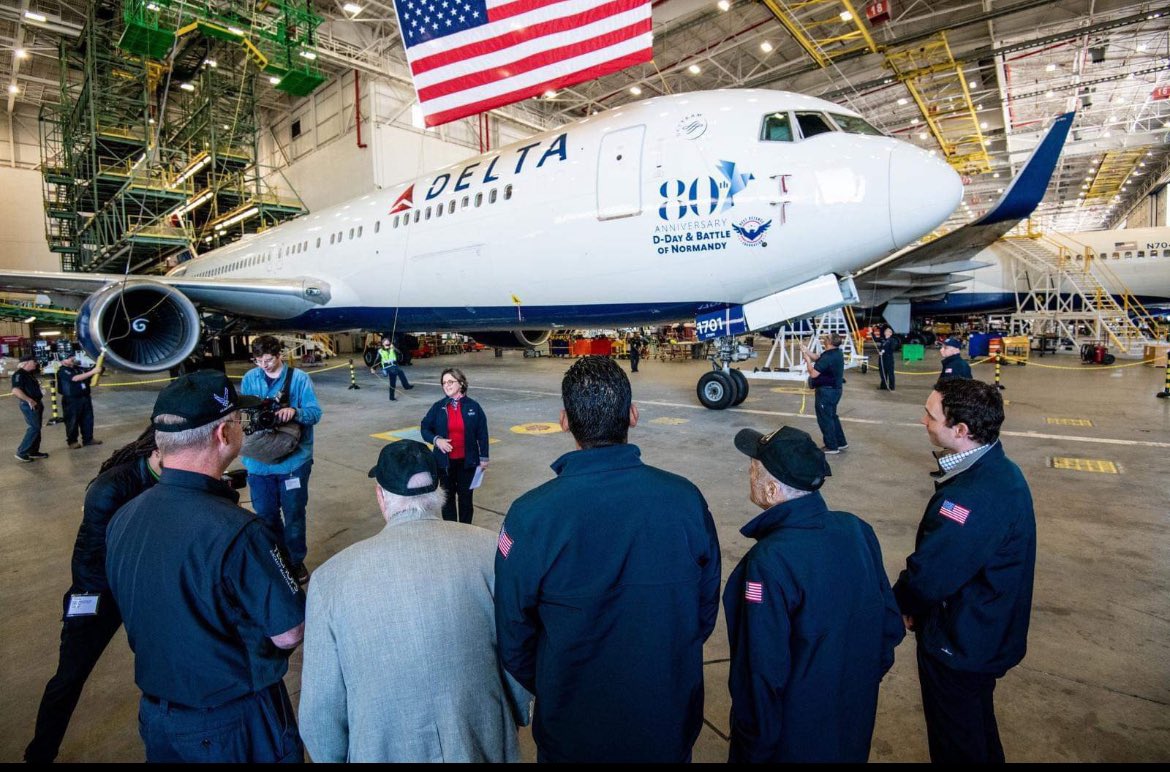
<point>666,421</point>
<point>789,390</point>
<point>1069,421</point>
<point>1084,465</point>
<point>537,428</point>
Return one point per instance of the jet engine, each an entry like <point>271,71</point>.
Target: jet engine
<point>511,338</point>
<point>142,325</point>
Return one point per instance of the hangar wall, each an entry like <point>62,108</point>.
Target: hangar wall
<point>22,222</point>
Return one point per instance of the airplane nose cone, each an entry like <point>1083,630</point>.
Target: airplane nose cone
<point>923,192</point>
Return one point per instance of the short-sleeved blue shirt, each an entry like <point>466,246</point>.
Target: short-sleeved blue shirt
<point>202,587</point>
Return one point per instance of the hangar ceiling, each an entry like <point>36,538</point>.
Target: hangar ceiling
<point>977,81</point>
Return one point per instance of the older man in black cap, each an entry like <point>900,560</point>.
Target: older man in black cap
<point>811,618</point>
<point>210,608</point>
<point>403,625</point>
<point>953,365</point>
<point>27,389</point>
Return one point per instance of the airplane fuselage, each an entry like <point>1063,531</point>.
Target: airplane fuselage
<point>652,212</point>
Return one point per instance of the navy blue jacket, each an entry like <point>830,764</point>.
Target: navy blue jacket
<point>968,585</point>
<point>812,625</point>
<point>607,585</point>
<point>105,495</point>
<point>954,366</point>
<point>831,366</point>
<point>475,431</point>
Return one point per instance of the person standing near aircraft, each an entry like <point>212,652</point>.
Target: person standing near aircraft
<point>826,374</point>
<point>389,367</point>
<point>607,586</point>
<point>457,427</point>
<point>811,620</point>
<point>76,401</point>
<point>635,343</point>
<point>953,365</point>
<point>887,346</point>
<point>27,389</point>
<point>91,617</point>
<point>282,485</point>
<point>967,589</point>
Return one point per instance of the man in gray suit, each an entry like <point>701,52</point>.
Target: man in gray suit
<point>400,637</point>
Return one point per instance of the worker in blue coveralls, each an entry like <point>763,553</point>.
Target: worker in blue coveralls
<point>607,585</point>
<point>811,619</point>
<point>281,487</point>
<point>967,589</point>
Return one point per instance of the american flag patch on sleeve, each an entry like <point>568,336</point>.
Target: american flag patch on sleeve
<point>753,592</point>
<point>954,512</point>
<point>505,543</point>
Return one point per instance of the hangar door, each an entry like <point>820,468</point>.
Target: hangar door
<point>619,174</point>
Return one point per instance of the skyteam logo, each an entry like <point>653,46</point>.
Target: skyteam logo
<point>751,230</point>
<point>704,196</point>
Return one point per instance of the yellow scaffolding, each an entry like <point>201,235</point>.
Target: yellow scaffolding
<point>939,88</point>
<point>1112,173</point>
<point>825,29</point>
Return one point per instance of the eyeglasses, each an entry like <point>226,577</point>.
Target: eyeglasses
<point>265,361</point>
<point>449,382</point>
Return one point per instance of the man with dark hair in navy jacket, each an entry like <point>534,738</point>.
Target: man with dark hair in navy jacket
<point>811,620</point>
<point>607,585</point>
<point>967,589</point>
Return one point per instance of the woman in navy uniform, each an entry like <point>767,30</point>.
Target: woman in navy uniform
<point>457,427</point>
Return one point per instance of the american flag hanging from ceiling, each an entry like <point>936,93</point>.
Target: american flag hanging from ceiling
<point>468,56</point>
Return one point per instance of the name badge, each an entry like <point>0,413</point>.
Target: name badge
<point>292,483</point>
<point>82,605</point>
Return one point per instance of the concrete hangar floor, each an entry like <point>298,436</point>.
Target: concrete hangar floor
<point>1095,685</point>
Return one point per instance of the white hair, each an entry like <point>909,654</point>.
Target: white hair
<point>176,442</point>
<point>393,503</point>
<point>787,491</point>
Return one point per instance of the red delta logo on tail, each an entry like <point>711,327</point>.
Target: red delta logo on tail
<point>403,202</point>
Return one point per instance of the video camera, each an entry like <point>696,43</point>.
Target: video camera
<point>262,416</point>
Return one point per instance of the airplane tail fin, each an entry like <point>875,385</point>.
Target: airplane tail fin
<point>1027,189</point>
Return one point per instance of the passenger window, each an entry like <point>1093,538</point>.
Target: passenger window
<point>852,125</point>
<point>331,237</point>
<point>465,201</point>
<point>1103,255</point>
<point>394,222</point>
<point>812,124</point>
<point>428,215</point>
<point>492,196</point>
<point>1128,255</point>
<point>776,128</point>
<point>318,242</point>
<point>439,210</point>
<point>377,225</point>
<point>359,231</point>
<point>1116,255</point>
<point>451,207</point>
<point>507,192</point>
<point>351,234</point>
<point>478,199</point>
<point>1166,253</point>
<point>1141,253</point>
<point>417,214</point>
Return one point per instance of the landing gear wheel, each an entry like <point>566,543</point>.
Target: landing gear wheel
<point>370,356</point>
<point>715,390</point>
<point>741,387</point>
<point>864,368</point>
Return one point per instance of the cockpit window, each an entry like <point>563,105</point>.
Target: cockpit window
<point>777,128</point>
<point>852,125</point>
<point>812,124</point>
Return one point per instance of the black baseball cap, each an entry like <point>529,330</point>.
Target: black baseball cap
<point>790,455</point>
<point>952,343</point>
<point>200,398</point>
<point>399,461</point>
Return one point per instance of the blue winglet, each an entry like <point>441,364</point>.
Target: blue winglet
<point>1027,189</point>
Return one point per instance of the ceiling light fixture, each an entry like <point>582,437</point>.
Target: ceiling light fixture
<point>635,91</point>
<point>766,47</point>
<point>352,8</point>
<point>13,88</point>
<point>33,16</point>
<point>694,69</point>
<point>724,5</point>
<point>187,86</point>
<point>1050,68</point>
<point>902,100</point>
<point>845,16</point>
<point>309,55</point>
<point>21,53</point>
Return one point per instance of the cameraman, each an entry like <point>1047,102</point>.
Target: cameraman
<point>283,486</point>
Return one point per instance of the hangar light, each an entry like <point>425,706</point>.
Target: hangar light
<point>36,16</point>
<point>21,53</point>
<point>187,86</point>
<point>352,8</point>
<point>845,16</point>
<point>13,88</point>
<point>694,69</point>
<point>766,47</point>
<point>635,90</point>
<point>29,320</point>
<point>724,5</point>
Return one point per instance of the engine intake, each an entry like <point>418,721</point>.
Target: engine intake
<point>143,326</point>
<point>511,338</point>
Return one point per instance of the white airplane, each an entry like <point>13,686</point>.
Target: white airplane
<point>1139,258</point>
<point>649,213</point>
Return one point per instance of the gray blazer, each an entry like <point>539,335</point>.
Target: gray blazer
<point>400,650</point>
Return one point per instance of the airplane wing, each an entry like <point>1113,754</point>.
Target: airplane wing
<point>939,266</point>
<point>257,298</point>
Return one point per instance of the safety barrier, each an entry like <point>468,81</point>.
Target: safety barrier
<point>1165,392</point>
<point>56,419</point>
<point>353,384</point>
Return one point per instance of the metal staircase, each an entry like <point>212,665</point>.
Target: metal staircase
<point>1059,293</point>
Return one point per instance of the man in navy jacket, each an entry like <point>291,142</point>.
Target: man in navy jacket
<point>607,585</point>
<point>811,620</point>
<point>967,589</point>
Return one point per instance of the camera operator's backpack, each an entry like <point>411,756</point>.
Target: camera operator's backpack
<point>270,446</point>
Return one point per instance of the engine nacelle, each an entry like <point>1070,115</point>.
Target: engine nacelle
<point>511,338</point>
<point>142,325</point>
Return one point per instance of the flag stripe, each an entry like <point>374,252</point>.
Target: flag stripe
<point>453,109</point>
<point>506,10</point>
<point>479,77</point>
<point>497,37</point>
